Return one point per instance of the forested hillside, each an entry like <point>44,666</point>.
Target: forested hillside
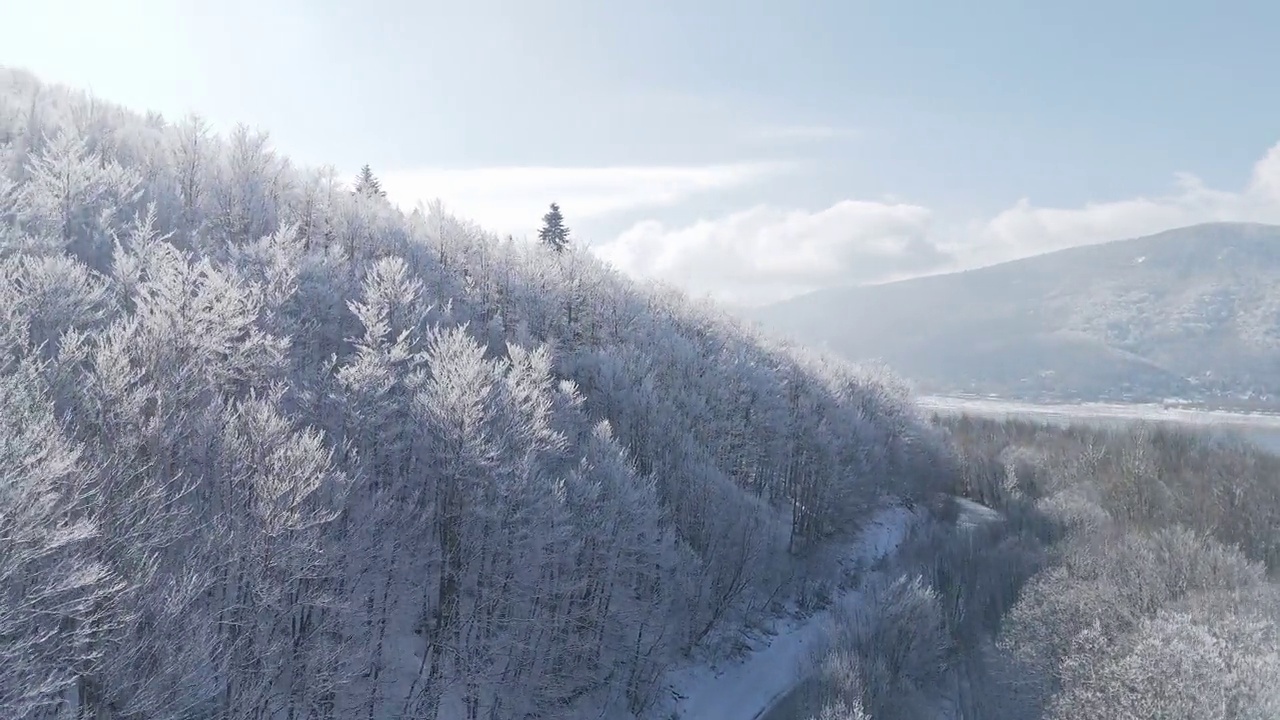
<point>273,449</point>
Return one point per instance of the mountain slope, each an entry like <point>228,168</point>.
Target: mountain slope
<point>273,449</point>
<point>1193,312</point>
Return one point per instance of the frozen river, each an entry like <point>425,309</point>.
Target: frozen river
<point>1263,429</point>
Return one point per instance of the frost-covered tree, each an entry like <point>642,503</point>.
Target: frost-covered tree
<point>53,590</point>
<point>74,196</point>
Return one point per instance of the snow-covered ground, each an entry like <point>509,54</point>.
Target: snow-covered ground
<point>1098,410</point>
<point>1262,428</point>
<point>745,689</point>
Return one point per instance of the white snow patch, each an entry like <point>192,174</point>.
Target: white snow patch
<point>1150,412</point>
<point>746,689</point>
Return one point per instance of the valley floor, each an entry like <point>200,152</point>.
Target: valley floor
<point>1169,412</point>
<point>1261,428</point>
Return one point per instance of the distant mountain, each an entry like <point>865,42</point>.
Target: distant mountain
<point>1192,313</point>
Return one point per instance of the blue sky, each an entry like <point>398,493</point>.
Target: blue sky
<point>750,150</point>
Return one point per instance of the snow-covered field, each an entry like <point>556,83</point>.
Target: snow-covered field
<point>746,689</point>
<point>1262,428</point>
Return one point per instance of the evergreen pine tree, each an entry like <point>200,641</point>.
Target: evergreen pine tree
<point>554,233</point>
<point>368,185</point>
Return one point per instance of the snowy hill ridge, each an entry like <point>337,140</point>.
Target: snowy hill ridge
<point>1190,313</point>
<point>273,448</point>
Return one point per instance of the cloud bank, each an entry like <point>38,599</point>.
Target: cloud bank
<point>769,253</point>
<point>512,199</point>
<point>766,254</point>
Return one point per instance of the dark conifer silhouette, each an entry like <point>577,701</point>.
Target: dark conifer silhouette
<point>368,185</point>
<point>554,234</point>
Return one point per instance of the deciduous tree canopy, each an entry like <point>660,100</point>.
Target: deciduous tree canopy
<point>271,449</point>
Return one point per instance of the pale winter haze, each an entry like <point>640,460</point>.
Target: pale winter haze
<point>356,361</point>
<point>271,449</point>
<point>832,144</point>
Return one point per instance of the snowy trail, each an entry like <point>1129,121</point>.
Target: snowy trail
<point>747,689</point>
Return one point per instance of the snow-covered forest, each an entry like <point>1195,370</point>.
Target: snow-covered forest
<point>274,449</point>
<point>1128,573</point>
<point>270,448</point>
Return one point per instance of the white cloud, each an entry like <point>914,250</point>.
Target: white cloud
<point>513,199</point>
<point>1025,229</point>
<point>766,254</point>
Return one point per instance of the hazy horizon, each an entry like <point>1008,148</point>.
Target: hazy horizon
<point>874,142</point>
